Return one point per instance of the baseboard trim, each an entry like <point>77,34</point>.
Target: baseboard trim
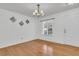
<point>60,43</point>
<point>15,43</point>
<point>12,44</point>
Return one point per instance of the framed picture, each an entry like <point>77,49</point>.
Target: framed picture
<point>21,23</point>
<point>27,21</point>
<point>13,19</point>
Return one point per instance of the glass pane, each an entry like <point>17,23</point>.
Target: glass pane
<point>45,32</point>
<point>49,28</point>
<point>50,31</point>
<point>45,25</point>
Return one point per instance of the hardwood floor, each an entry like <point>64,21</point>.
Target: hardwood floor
<point>40,48</point>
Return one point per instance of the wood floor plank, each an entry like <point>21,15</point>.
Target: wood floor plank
<point>40,48</point>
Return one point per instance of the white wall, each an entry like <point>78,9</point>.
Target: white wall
<point>68,20</point>
<point>12,33</point>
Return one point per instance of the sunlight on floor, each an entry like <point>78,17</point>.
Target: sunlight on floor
<point>47,50</point>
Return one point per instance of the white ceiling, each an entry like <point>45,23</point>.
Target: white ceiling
<point>28,8</point>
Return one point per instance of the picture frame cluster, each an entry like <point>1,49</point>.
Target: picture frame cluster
<point>21,23</point>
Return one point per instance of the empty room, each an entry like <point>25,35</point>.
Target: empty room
<point>39,29</point>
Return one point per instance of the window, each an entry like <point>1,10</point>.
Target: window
<point>47,28</point>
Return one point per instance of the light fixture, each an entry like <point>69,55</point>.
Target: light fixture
<point>38,11</point>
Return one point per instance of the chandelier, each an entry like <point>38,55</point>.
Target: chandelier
<point>38,11</point>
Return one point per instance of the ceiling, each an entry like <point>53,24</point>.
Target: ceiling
<point>28,8</point>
